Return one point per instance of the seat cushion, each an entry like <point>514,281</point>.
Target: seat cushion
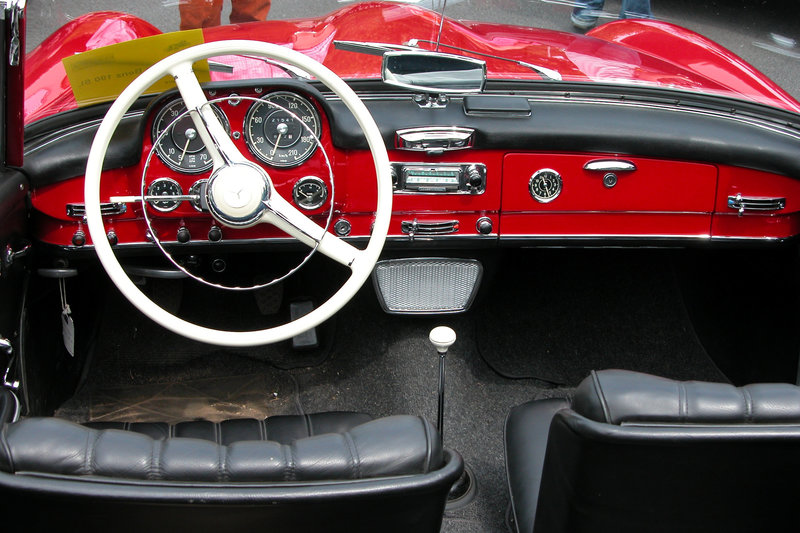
<point>328,446</point>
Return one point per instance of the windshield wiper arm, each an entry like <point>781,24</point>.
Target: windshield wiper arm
<point>373,49</point>
<point>546,73</point>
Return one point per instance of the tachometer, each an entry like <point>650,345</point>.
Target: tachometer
<point>181,148</point>
<point>278,129</point>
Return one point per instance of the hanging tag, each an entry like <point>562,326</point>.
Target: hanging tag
<point>67,324</point>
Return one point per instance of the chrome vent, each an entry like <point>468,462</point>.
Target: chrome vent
<point>106,209</point>
<point>745,203</point>
<point>414,227</point>
<point>426,285</point>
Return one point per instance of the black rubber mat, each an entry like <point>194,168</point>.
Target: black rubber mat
<point>572,311</point>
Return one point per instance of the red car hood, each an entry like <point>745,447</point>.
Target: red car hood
<point>641,52</point>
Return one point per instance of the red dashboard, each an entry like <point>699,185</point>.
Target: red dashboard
<point>520,196</point>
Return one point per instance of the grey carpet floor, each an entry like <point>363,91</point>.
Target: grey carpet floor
<point>382,365</point>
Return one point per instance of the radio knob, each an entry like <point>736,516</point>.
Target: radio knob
<point>474,177</point>
<point>395,177</point>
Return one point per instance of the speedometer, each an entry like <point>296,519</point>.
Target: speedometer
<point>181,147</point>
<point>282,129</point>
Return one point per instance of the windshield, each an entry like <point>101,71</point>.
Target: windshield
<point>669,45</point>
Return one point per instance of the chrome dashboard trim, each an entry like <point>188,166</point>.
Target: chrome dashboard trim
<point>609,165</point>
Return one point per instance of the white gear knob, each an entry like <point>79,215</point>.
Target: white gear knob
<point>442,338</point>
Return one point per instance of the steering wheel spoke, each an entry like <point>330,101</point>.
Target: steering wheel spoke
<point>211,131</point>
<point>286,217</point>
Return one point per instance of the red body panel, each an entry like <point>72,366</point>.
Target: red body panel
<point>622,52</point>
<point>660,199</point>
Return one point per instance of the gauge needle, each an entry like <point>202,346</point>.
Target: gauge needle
<point>277,142</point>
<point>190,136</point>
<point>282,128</point>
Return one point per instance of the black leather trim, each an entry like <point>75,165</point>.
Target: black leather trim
<point>525,445</point>
<point>673,456</point>
<point>329,446</point>
<point>603,127</point>
<point>622,396</point>
<point>608,125</point>
<point>390,504</point>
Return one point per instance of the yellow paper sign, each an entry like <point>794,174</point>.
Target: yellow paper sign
<point>101,75</point>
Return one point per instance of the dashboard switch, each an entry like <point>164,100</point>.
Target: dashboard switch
<point>183,235</point>
<point>215,234</point>
<point>78,238</point>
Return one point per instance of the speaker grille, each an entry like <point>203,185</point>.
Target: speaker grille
<point>427,285</point>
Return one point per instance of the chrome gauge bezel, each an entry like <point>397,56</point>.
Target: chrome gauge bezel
<point>539,178</point>
<point>164,143</point>
<point>270,105</point>
<point>177,191</point>
<point>198,189</point>
<point>302,201</point>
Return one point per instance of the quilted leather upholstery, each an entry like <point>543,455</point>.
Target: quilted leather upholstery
<point>328,446</point>
<point>620,396</point>
<point>632,452</point>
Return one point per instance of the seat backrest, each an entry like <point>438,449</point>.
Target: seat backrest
<point>327,472</point>
<point>641,453</point>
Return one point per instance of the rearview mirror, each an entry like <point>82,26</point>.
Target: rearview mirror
<point>433,71</point>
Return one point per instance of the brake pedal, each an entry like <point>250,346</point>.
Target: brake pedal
<point>308,339</point>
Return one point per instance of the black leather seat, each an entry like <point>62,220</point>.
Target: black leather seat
<point>337,471</point>
<point>634,452</point>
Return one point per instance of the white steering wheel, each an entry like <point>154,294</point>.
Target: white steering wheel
<point>240,193</point>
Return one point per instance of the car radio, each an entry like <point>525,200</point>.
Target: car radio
<point>443,178</point>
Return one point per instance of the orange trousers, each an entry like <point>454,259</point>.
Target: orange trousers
<point>205,13</point>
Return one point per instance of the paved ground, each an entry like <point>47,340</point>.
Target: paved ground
<point>763,32</point>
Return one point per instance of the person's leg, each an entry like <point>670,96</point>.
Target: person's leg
<point>583,16</point>
<point>249,10</point>
<point>199,13</point>
<point>636,9</point>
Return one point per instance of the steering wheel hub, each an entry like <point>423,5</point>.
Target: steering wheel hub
<point>238,194</point>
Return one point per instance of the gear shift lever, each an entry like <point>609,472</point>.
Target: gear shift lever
<point>463,490</point>
<point>442,338</point>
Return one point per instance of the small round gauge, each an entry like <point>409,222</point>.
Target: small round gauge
<point>164,187</point>
<point>278,129</point>
<point>310,192</point>
<point>181,148</point>
<point>198,189</point>
<point>545,185</point>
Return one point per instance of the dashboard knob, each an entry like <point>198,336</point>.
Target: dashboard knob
<point>475,178</point>
<point>215,234</point>
<point>484,225</point>
<point>183,235</point>
<point>112,237</point>
<point>78,238</point>
<point>342,228</point>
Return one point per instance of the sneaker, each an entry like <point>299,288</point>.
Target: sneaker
<point>583,23</point>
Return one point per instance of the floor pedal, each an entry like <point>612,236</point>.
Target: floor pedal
<point>309,339</point>
<point>269,299</point>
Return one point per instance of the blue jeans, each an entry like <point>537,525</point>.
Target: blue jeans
<point>630,9</point>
